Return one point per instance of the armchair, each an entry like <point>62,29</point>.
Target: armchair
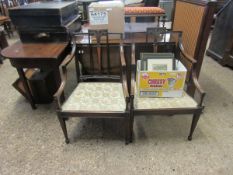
<point>98,94</point>
<point>169,106</point>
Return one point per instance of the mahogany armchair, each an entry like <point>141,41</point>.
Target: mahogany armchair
<point>194,18</point>
<point>99,92</point>
<point>169,106</point>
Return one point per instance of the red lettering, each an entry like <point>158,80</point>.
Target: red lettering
<point>156,81</point>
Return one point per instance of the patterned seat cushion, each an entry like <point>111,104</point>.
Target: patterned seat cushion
<point>96,96</point>
<point>143,10</point>
<point>160,103</point>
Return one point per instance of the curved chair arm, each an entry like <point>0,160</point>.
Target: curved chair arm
<point>193,74</point>
<point>133,70</point>
<point>124,77</point>
<point>185,54</point>
<point>197,86</point>
<point>63,73</point>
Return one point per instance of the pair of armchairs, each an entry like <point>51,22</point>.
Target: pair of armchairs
<point>101,93</point>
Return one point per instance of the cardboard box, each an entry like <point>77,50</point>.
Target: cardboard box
<point>161,83</point>
<point>107,15</point>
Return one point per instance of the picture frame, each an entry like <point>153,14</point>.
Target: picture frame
<point>156,61</point>
<point>159,65</point>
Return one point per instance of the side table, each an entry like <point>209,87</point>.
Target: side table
<point>45,56</point>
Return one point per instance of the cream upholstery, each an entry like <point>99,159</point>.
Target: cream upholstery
<point>160,103</point>
<point>96,96</point>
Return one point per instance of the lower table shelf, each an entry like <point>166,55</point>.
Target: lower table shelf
<point>41,84</point>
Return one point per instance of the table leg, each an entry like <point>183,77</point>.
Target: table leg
<point>133,19</point>
<point>26,87</point>
<point>85,11</point>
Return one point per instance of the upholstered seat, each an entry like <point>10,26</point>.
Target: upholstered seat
<point>143,10</point>
<point>161,103</point>
<point>96,96</point>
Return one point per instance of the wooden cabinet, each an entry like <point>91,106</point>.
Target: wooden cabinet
<point>222,35</point>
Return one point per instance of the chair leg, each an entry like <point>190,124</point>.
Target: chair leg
<point>127,129</point>
<point>131,126</point>
<point>64,129</point>
<point>193,125</point>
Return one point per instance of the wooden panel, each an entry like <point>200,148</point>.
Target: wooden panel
<point>188,18</point>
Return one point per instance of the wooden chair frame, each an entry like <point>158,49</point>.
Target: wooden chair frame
<point>170,111</point>
<point>63,115</point>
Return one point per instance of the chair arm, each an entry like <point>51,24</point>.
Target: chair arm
<point>198,87</point>
<point>193,75</point>
<point>185,54</point>
<point>125,87</point>
<point>124,77</point>
<point>123,63</point>
<point>63,73</point>
<point>69,58</point>
<point>133,70</point>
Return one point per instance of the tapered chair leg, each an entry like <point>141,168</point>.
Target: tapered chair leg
<point>127,129</point>
<point>64,129</point>
<point>131,127</point>
<point>193,126</point>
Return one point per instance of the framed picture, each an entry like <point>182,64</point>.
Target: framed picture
<point>159,65</point>
<point>157,61</point>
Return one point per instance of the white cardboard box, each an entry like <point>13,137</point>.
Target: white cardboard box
<point>161,83</point>
<point>107,15</point>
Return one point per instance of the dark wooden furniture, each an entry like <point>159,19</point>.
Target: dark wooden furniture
<point>4,17</point>
<point>194,18</point>
<point>3,42</point>
<point>228,55</point>
<point>169,106</point>
<point>85,4</point>
<point>43,56</point>
<point>101,92</point>
<point>50,22</point>
<point>222,35</point>
<point>134,33</point>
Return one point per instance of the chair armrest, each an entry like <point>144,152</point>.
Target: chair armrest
<point>198,87</point>
<point>133,70</point>
<point>63,73</point>
<point>124,77</point>
<point>123,63</point>
<point>185,54</point>
<point>193,75</point>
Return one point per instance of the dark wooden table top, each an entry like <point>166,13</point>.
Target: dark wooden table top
<point>34,50</point>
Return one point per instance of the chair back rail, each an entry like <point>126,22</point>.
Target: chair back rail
<point>95,59</point>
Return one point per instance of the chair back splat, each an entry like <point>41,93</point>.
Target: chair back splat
<point>94,58</point>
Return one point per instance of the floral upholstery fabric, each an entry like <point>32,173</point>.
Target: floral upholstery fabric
<point>143,10</point>
<point>160,103</point>
<point>96,96</point>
